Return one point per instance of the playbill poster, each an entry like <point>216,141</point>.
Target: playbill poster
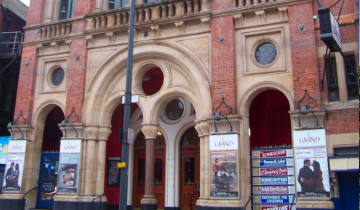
<point>224,170</point>
<point>69,166</point>
<point>311,163</point>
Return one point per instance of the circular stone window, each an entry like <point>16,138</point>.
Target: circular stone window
<point>152,81</point>
<point>57,76</point>
<point>173,111</point>
<point>265,53</point>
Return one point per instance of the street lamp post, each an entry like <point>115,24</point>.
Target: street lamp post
<point>127,110</point>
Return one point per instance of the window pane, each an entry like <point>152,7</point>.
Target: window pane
<point>66,9</point>
<point>150,1</point>
<point>111,4</point>
<point>158,171</point>
<point>351,77</point>
<point>332,81</point>
<point>189,176</point>
<point>118,3</point>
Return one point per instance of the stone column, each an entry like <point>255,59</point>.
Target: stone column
<point>149,201</point>
<point>203,129</point>
<point>98,5</point>
<point>103,136</point>
<point>49,10</point>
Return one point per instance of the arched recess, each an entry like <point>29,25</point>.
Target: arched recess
<point>42,152</point>
<point>245,103</point>
<point>113,69</point>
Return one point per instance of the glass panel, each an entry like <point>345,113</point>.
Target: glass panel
<point>174,109</point>
<point>141,171</point>
<point>265,53</point>
<point>57,76</point>
<point>158,171</point>
<point>190,138</point>
<point>332,81</point>
<point>66,9</point>
<point>351,77</point>
<point>189,173</point>
<point>150,1</point>
<point>112,4</point>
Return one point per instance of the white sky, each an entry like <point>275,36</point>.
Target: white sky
<point>27,2</point>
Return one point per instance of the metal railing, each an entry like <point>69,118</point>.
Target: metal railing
<point>10,42</point>
<point>94,199</point>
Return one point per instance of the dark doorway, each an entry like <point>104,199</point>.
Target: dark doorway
<point>49,158</point>
<point>349,190</point>
<point>270,120</point>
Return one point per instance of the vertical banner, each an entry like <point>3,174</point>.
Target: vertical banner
<point>224,170</point>
<point>273,179</point>
<point>4,141</point>
<point>312,168</point>
<point>14,164</point>
<point>69,166</point>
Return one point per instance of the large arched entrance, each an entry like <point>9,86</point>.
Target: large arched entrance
<point>49,158</point>
<point>189,169</point>
<point>139,170</point>
<point>272,165</point>
<point>113,154</point>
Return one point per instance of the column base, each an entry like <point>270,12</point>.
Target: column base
<point>217,204</point>
<point>314,204</point>
<point>12,201</point>
<point>148,203</point>
<point>12,204</point>
<point>78,205</point>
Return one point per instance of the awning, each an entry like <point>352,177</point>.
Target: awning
<point>344,164</point>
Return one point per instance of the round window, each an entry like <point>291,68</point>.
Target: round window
<point>174,109</point>
<point>265,53</point>
<point>57,76</point>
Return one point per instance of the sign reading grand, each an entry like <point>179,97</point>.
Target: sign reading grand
<point>311,163</point>
<point>223,142</point>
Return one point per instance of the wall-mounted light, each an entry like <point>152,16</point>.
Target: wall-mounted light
<point>159,133</point>
<point>218,115</point>
<point>306,108</point>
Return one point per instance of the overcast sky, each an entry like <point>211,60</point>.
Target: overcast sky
<point>27,2</point>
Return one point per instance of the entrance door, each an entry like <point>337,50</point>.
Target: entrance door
<point>139,171</point>
<point>190,169</point>
<point>47,179</point>
<point>349,190</point>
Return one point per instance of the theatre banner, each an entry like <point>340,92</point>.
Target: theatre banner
<point>273,183</point>
<point>14,165</point>
<point>224,169</point>
<point>69,166</point>
<point>312,168</point>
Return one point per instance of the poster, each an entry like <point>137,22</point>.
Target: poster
<point>14,165</point>
<point>311,163</point>
<point>274,190</point>
<point>273,199</point>
<point>273,180</point>
<point>13,172</point>
<point>68,172</point>
<point>113,173</point>
<point>274,207</point>
<point>4,141</point>
<point>69,166</point>
<point>224,172</point>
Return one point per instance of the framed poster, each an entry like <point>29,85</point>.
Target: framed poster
<point>113,172</point>
<point>311,163</point>
<point>224,169</point>
<point>68,172</point>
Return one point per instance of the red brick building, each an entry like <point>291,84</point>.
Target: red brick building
<point>236,104</point>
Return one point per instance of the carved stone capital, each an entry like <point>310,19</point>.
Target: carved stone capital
<point>22,132</point>
<point>312,119</point>
<point>72,130</point>
<point>202,128</point>
<point>149,131</point>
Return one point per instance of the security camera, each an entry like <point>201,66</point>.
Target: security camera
<point>315,17</point>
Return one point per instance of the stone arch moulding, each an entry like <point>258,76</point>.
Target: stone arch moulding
<point>253,91</point>
<point>114,67</point>
<point>41,112</point>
